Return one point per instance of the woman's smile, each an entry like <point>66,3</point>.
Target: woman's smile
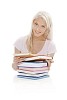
<point>37,32</point>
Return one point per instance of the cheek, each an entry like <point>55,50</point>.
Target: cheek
<point>43,30</point>
<point>33,28</point>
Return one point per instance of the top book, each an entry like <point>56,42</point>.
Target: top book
<point>24,55</point>
<point>30,57</point>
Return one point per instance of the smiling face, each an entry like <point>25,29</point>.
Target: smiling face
<point>39,26</point>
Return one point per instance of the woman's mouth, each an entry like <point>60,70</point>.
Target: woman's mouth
<point>37,32</point>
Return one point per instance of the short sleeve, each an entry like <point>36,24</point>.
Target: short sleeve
<point>18,43</point>
<point>51,48</point>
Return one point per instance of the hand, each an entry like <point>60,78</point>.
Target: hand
<point>15,66</point>
<point>18,59</point>
<point>16,62</point>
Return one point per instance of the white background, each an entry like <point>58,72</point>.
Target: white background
<point>15,21</point>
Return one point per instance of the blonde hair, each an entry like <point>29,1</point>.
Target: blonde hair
<point>48,20</point>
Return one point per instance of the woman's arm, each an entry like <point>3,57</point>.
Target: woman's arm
<point>15,63</point>
<point>16,60</point>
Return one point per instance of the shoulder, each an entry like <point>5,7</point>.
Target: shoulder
<point>51,46</point>
<point>21,39</point>
<point>50,42</point>
<point>20,42</point>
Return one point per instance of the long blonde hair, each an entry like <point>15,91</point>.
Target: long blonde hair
<point>48,20</point>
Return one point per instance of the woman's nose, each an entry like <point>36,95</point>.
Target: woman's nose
<point>38,28</point>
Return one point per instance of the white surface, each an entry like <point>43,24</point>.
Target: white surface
<point>15,20</point>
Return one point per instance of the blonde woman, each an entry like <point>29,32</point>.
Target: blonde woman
<point>39,41</point>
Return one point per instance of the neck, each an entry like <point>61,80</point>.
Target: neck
<point>40,38</point>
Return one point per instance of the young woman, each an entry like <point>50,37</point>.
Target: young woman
<point>39,41</point>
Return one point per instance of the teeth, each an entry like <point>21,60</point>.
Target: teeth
<point>38,32</point>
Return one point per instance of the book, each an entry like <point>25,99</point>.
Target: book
<point>37,75</point>
<point>33,57</point>
<point>38,58</point>
<point>34,69</point>
<point>32,64</point>
<point>32,77</point>
<point>31,72</point>
<point>24,55</point>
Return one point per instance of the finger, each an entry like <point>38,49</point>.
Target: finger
<point>22,58</point>
<point>16,58</point>
<point>19,61</point>
<point>47,60</point>
<point>49,63</point>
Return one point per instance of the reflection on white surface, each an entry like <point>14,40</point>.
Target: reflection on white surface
<point>44,84</point>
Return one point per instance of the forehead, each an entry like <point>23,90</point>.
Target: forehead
<point>40,20</point>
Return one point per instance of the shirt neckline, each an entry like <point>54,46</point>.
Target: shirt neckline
<point>40,50</point>
<point>42,47</point>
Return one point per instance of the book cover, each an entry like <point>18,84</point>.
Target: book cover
<point>38,58</point>
<point>32,56</point>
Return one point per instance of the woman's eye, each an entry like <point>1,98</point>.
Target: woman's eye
<point>43,26</point>
<point>36,24</point>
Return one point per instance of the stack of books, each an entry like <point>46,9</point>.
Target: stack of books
<point>33,66</point>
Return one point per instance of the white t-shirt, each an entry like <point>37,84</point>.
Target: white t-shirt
<point>48,48</point>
